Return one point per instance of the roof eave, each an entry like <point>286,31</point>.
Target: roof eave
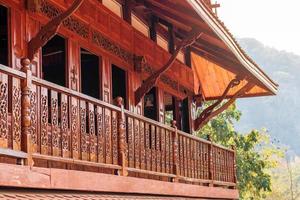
<point>230,42</point>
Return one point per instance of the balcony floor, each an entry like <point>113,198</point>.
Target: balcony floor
<point>89,185</point>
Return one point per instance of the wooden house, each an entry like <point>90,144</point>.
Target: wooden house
<point>98,99</point>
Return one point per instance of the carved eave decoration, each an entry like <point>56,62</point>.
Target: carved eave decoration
<point>152,80</point>
<point>218,107</point>
<point>50,29</point>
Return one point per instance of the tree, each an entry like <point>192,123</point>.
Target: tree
<point>255,153</point>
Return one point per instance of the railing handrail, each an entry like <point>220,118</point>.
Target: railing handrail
<point>71,92</point>
<point>13,72</point>
<point>210,160</point>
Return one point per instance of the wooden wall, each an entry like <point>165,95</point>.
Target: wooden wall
<point>100,31</point>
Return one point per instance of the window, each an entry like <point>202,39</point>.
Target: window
<point>162,43</point>
<point>114,6</point>
<point>169,104</point>
<point>139,25</point>
<point>185,115</point>
<point>119,83</point>
<point>90,74</point>
<point>4,36</point>
<point>54,61</point>
<point>150,104</point>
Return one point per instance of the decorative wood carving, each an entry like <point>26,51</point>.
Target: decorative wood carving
<point>103,42</point>
<point>152,80</point>
<point>100,134</point>
<point>44,120</point>
<point>208,113</point>
<point>56,144</point>
<point>33,117</point>
<point>64,126</point>
<point>50,29</point>
<point>16,113</point>
<point>92,135</point>
<point>108,137</point>
<point>83,133</point>
<point>74,128</point>
<point>3,111</point>
<point>114,135</point>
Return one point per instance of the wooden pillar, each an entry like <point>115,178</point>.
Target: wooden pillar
<point>122,160</point>
<point>175,153</point>
<point>25,111</point>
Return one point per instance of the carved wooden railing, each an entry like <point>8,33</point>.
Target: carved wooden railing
<point>74,129</point>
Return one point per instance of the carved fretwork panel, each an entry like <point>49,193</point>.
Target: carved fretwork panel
<point>3,111</point>
<point>114,134</point>
<point>74,121</point>
<point>83,131</point>
<point>108,137</point>
<point>153,148</point>
<point>163,149</point>
<point>55,133</point>
<point>100,135</point>
<point>173,153</point>
<point>142,146</point>
<point>167,151</point>
<point>158,149</point>
<point>130,135</point>
<point>44,120</point>
<point>92,133</point>
<point>65,133</point>
<point>71,23</point>
<point>16,114</point>
<point>33,131</point>
<point>147,146</point>
<point>136,144</point>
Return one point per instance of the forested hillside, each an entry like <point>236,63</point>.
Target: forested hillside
<point>280,114</point>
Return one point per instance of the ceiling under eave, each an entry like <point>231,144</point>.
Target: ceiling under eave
<point>217,58</point>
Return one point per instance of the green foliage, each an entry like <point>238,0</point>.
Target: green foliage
<point>255,153</point>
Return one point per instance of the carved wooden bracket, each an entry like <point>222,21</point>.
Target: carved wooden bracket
<point>210,113</point>
<point>50,29</point>
<point>151,81</point>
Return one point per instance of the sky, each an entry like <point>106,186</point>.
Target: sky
<point>273,22</point>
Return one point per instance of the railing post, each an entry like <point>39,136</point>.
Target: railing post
<point>210,161</point>
<point>25,111</point>
<point>234,164</point>
<point>121,138</point>
<point>175,153</point>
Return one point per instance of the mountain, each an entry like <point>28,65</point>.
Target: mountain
<point>280,114</point>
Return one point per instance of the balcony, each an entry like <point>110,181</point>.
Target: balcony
<point>48,126</point>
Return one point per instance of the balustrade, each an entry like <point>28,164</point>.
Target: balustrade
<point>56,124</point>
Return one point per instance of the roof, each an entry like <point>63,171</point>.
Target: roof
<point>264,86</point>
<point>217,57</point>
<point>31,194</point>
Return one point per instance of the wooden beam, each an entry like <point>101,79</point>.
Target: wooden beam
<point>153,79</point>
<point>207,116</point>
<point>50,29</point>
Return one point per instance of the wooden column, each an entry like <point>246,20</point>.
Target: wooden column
<point>175,153</point>
<point>25,111</point>
<point>122,160</point>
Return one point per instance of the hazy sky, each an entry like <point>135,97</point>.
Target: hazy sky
<point>276,23</point>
